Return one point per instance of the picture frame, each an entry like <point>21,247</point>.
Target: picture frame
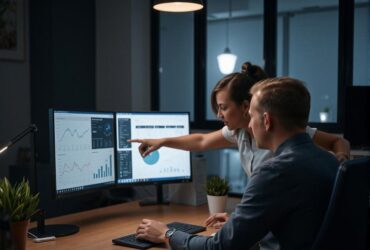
<point>12,38</point>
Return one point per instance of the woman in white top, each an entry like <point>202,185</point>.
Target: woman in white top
<point>230,101</point>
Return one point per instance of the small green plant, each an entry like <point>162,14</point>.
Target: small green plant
<point>17,201</point>
<point>217,186</point>
<point>326,110</point>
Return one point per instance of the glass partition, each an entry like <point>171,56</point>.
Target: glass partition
<point>241,31</point>
<point>308,50</point>
<point>361,44</point>
<point>176,60</point>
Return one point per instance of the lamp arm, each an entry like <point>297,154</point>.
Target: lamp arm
<point>31,129</point>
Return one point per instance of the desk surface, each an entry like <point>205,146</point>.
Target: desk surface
<point>99,226</point>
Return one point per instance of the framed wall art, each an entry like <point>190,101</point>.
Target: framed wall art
<point>12,37</point>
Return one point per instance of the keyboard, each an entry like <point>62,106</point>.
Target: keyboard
<point>131,241</point>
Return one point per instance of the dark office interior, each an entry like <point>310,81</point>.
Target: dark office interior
<point>117,55</point>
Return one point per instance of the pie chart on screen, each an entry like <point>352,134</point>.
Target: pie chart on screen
<point>152,158</point>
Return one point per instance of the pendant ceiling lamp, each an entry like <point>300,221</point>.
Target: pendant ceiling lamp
<point>178,6</point>
<point>226,60</point>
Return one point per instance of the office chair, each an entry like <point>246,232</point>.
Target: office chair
<point>346,219</point>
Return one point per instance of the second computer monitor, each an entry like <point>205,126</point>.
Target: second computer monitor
<point>161,166</point>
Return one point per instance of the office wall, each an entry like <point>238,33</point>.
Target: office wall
<point>14,100</point>
<point>122,55</point>
<point>112,56</point>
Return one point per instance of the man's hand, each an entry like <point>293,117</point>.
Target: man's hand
<point>217,220</point>
<point>152,230</point>
<point>342,156</point>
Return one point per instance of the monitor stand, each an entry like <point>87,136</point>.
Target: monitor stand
<point>159,201</point>
<point>57,230</point>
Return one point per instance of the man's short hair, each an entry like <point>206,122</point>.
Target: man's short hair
<point>286,98</point>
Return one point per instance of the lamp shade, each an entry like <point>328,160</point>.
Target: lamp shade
<point>226,62</point>
<point>178,6</point>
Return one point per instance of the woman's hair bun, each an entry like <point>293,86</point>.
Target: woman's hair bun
<point>253,71</point>
<point>249,69</point>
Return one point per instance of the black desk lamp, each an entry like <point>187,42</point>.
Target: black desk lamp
<point>31,129</point>
<point>41,230</point>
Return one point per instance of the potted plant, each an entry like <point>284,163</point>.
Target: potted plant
<point>324,114</point>
<point>217,190</point>
<point>19,204</point>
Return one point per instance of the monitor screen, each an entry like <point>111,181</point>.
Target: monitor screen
<point>82,150</point>
<point>163,165</point>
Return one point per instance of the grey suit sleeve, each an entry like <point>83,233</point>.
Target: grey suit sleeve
<point>181,240</point>
<point>248,224</point>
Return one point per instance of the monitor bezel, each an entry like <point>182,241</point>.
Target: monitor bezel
<point>153,182</point>
<point>89,190</point>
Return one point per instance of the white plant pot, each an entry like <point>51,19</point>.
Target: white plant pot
<point>216,204</point>
<point>324,116</point>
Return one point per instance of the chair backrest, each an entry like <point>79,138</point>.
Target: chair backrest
<point>346,219</point>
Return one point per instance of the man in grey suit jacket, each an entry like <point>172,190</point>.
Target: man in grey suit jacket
<point>287,195</point>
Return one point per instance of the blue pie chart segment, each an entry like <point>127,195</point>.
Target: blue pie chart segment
<point>152,158</point>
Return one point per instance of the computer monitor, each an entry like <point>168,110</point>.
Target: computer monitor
<point>166,165</point>
<point>82,145</point>
<point>82,159</point>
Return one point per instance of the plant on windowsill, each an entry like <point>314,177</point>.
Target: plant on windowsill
<point>324,114</point>
<point>19,204</point>
<point>326,110</point>
<point>217,190</point>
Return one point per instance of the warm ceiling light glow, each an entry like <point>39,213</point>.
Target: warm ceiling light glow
<point>178,6</point>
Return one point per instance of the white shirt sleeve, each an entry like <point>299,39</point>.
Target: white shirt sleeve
<point>311,131</point>
<point>229,134</point>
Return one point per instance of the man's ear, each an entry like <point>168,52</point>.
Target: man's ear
<point>267,121</point>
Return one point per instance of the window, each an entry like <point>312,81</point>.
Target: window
<point>241,31</point>
<point>176,58</point>
<point>308,50</point>
<point>313,41</point>
<point>361,46</point>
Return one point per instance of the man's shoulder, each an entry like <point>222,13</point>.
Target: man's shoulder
<point>268,167</point>
<point>293,158</point>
